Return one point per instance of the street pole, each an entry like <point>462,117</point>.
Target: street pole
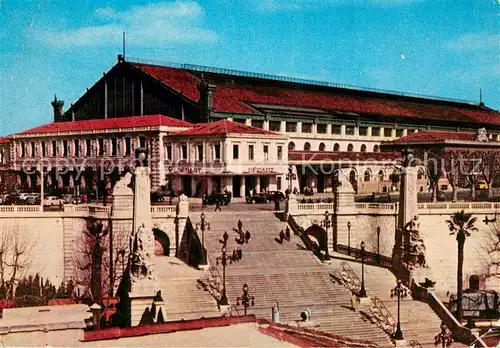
<point>398,291</point>
<point>362,292</point>
<point>348,238</point>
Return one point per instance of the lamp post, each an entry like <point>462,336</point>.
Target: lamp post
<point>326,223</point>
<point>223,260</point>
<point>378,244</point>
<point>400,292</point>
<point>246,300</point>
<point>290,176</point>
<point>348,238</point>
<point>203,225</point>
<point>362,254</point>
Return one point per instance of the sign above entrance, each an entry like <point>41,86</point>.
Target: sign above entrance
<point>257,170</point>
<point>187,170</point>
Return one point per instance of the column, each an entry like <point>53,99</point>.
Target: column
<point>369,131</point>
<point>266,125</point>
<point>160,159</point>
<point>209,185</point>
<point>71,180</point>
<point>299,127</point>
<point>342,129</point>
<point>193,186</point>
<point>329,128</point>
<point>242,187</point>
<point>257,183</point>
<point>283,126</point>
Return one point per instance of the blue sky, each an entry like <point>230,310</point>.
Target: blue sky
<point>443,48</point>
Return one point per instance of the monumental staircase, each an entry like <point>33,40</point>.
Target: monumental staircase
<point>284,274</point>
<point>183,297</point>
<point>418,320</point>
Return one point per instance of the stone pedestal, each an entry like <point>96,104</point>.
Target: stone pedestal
<point>143,293</point>
<point>400,343</point>
<point>344,213</point>
<point>407,210</point>
<point>291,206</point>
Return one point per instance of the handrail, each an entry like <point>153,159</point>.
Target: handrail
<point>215,280</point>
<point>385,320</point>
<point>299,231</point>
<point>232,308</point>
<point>414,343</point>
<point>350,278</point>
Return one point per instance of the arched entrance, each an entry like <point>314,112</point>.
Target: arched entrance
<point>162,243</point>
<point>318,236</point>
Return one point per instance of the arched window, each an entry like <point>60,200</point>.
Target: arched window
<point>291,146</point>
<point>368,175</point>
<point>322,147</point>
<point>307,147</point>
<point>375,148</point>
<point>380,175</point>
<point>420,174</point>
<point>336,147</point>
<point>350,147</point>
<point>352,176</point>
<point>363,148</point>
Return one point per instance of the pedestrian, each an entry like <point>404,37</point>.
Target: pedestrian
<point>217,204</point>
<point>282,236</point>
<point>240,254</point>
<point>247,237</point>
<point>204,200</point>
<point>234,257</point>
<point>287,233</point>
<point>240,225</point>
<point>276,204</point>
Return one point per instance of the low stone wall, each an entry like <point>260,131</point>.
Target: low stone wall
<point>55,235</point>
<point>441,247</point>
<point>61,335</point>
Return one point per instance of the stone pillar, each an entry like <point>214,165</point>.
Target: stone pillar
<point>242,187</point>
<point>257,184</point>
<point>291,206</point>
<point>193,186</point>
<point>143,288</point>
<point>344,212</point>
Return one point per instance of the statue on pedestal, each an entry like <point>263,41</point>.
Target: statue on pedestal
<point>414,248</point>
<point>141,255</point>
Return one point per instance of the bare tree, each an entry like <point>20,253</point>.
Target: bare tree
<point>16,255</point>
<point>490,169</point>
<point>92,259</point>
<point>434,171</point>
<point>490,252</point>
<point>451,164</point>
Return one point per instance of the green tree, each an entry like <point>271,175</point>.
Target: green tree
<point>461,224</point>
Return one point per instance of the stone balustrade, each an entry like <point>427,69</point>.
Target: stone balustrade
<point>80,210</point>
<point>392,208</point>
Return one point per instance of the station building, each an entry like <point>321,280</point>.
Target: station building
<point>268,121</point>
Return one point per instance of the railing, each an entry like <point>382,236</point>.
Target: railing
<point>383,317</point>
<point>216,283</point>
<point>414,343</point>
<point>20,208</point>
<point>172,209</point>
<point>350,278</point>
<point>233,310</point>
<point>302,207</point>
<point>371,258</point>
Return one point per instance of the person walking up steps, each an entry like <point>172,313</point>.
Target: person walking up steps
<point>217,204</point>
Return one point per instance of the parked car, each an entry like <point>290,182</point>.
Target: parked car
<point>481,185</point>
<point>275,195</point>
<point>67,199</point>
<point>223,197</point>
<point>258,198</point>
<point>377,198</point>
<point>52,200</point>
<point>157,197</point>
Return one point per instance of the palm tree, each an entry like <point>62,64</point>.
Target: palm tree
<point>461,224</point>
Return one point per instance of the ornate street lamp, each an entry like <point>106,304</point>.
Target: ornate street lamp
<point>203,225</point>
<point>246,300</point>
<point>400,292</point>
<point>326,223</point>
<point>290,176</point>
<point>223,260</point>
<point>362,254</point>
<point>378,244</point>
<point>348,238</point>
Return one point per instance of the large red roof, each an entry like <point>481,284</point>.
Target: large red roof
<point>309,156</point>
<point>108,123</point>
<point>223,127</point>
<point>427,136</point>
<point>234,97</point>
<point>4,140</point>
